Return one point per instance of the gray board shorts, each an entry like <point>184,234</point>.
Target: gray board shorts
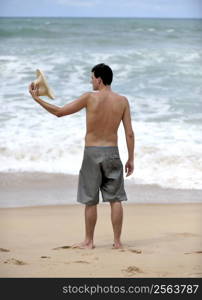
<point>101,170</point>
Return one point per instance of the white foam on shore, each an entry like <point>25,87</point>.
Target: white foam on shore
<point>57,147</point>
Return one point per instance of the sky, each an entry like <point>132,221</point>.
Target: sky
<point>102,8</point>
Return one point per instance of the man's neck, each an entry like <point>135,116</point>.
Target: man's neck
<point>103,88</point>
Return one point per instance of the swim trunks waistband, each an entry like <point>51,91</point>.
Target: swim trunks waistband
<point>113,147</point>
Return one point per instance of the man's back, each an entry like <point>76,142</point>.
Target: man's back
<point>104,113</point>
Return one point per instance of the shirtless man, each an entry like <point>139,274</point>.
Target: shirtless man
<point>101,168</point>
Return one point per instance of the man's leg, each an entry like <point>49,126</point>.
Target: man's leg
<point>90,222</point>
<point>117,221</point>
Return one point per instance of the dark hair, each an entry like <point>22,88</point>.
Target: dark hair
<point>104,72</point>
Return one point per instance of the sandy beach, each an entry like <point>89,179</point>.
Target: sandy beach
<point>160,240</point>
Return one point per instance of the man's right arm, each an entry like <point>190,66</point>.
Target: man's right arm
<point>130,138</point>
<point>58,111</point>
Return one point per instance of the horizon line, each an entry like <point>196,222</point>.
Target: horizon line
<point>104,17</point>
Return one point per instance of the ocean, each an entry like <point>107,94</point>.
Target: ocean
<point>157,65</point>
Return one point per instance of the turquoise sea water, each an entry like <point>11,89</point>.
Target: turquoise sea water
<point>157,65</point>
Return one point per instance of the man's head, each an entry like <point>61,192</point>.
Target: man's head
<point>101,74</point>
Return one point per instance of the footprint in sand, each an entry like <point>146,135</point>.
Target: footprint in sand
<point>15,262</point>
<point>135,251</point>
<point>4,250</point>
<point>132,270</point>
<point>62,247</point>
<point>131,250</point>
<point>78,262</point>
<point>81,262</point>
<point>43,256</point>
<point>194,252</point>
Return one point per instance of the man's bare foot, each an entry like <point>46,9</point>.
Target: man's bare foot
<point>84,245</point>
<point>117,246</point>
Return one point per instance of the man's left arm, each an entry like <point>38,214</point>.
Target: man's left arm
<point>58,111</point>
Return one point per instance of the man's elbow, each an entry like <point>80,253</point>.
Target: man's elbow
<point>59,113</point>
<point>130,134</point>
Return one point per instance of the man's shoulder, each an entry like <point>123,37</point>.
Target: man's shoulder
<point>90,95</point>
<point>86,94</point>
<point>125,100</point>
<point>121,97</point>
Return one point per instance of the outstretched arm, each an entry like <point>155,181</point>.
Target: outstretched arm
<point>58,111</point>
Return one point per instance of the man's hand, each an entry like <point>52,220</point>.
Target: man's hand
<point>129,167</point>
<point>34,90</point>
